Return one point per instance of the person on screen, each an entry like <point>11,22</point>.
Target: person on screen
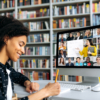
<point>62,39</point>
<point>61,62</point>
<point>70,37</point>
<point>62,47</point>
<point>88,34</point>
<point>98,62</point>
<point>62,54</point>
<point>78,62</point>
<point>98,33</point>
<point>69,62</point>
<point>86,50</point>
<point>78,36</point>
<point>88,62</point>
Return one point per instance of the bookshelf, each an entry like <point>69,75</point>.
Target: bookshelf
<point>51,31</point>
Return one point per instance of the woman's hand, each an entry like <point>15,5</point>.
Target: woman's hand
<point>53,89</point>
<point>77,49</point>
<point>33,86</point>
<point>89,52</point>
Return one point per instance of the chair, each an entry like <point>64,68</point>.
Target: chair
<point>15,97</point>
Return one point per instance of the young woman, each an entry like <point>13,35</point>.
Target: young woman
<point>13,36</point>
<point>88,34</point>
<point>62,62</point>
<point>62,47</point>
<point>86,52</point>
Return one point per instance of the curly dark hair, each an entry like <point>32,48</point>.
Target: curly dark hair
<point>11,27</point>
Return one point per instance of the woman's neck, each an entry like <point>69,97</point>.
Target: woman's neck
<point>3,56</point>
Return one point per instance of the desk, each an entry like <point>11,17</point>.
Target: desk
<point>71,95</point>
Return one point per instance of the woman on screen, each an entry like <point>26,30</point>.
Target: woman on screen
<point>88,34</point>
<point>62,47</point>
<point>89,49</point>
<point>62,62</point>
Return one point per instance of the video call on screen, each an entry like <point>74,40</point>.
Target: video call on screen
<point>79,48</point>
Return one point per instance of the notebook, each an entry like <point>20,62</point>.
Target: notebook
<point>63,90</point>
<point>91,49</point>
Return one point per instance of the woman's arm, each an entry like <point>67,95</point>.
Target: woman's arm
<point>50,89</point>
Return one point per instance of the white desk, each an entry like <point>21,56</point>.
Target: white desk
<point>71,95</point>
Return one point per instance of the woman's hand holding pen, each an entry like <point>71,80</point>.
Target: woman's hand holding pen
<point>53,88</point>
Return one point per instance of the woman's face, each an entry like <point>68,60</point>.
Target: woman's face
<point>70,34</point>
<point>15,47</point>
<point>87,42</point>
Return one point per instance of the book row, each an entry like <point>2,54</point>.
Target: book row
<point>33,75</point>
<point>37,25</point>
<point>38,38</point>
<point>31,2</point>
<point>61,0</point>
<point>68,78</point>
<point>96,7</point>
<point>8,14</point>
<point>34,14</point>
<point>71,10</point>
<point>96,19</point>
<point>68,23</point>
<point>42,50</point>
<point>54,62</point>
<point>7,3</point>
<point>33,63</point>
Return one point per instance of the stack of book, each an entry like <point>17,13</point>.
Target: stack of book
<point>38,38</point>
<point>55,37</point>
<point>54,49</point>
<point>96,19</point>
<point>71,10</point>
<point>7,3</point>
<point>34,14</point>
<point>43,50</point>
<point>54,62</point>
<point>37,25</point>
<point>68,78</point>
<point>96,7</point>
<point>8,14</point>
<point>33,75</point>
<point>33,63</point>
<point>31,2</point>
<point>68,23</point>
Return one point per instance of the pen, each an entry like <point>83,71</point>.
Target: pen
<point>99,79</point>
<point>56,75</point>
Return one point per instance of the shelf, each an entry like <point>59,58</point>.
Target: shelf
<point>34,6</point>
<point>7,9</point>
<point>69,2</point>
<point>36,68</point>
<point>37,43</point>
<point>64,29</point>
<point>43,30</point>
<point>76,15</point>
<point>34,19</point>
<point>96,12</point>
<point>35,56</point>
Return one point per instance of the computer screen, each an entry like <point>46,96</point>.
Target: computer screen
<point>79,48</point>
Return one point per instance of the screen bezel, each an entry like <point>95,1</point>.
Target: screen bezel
<point>73,30</point>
